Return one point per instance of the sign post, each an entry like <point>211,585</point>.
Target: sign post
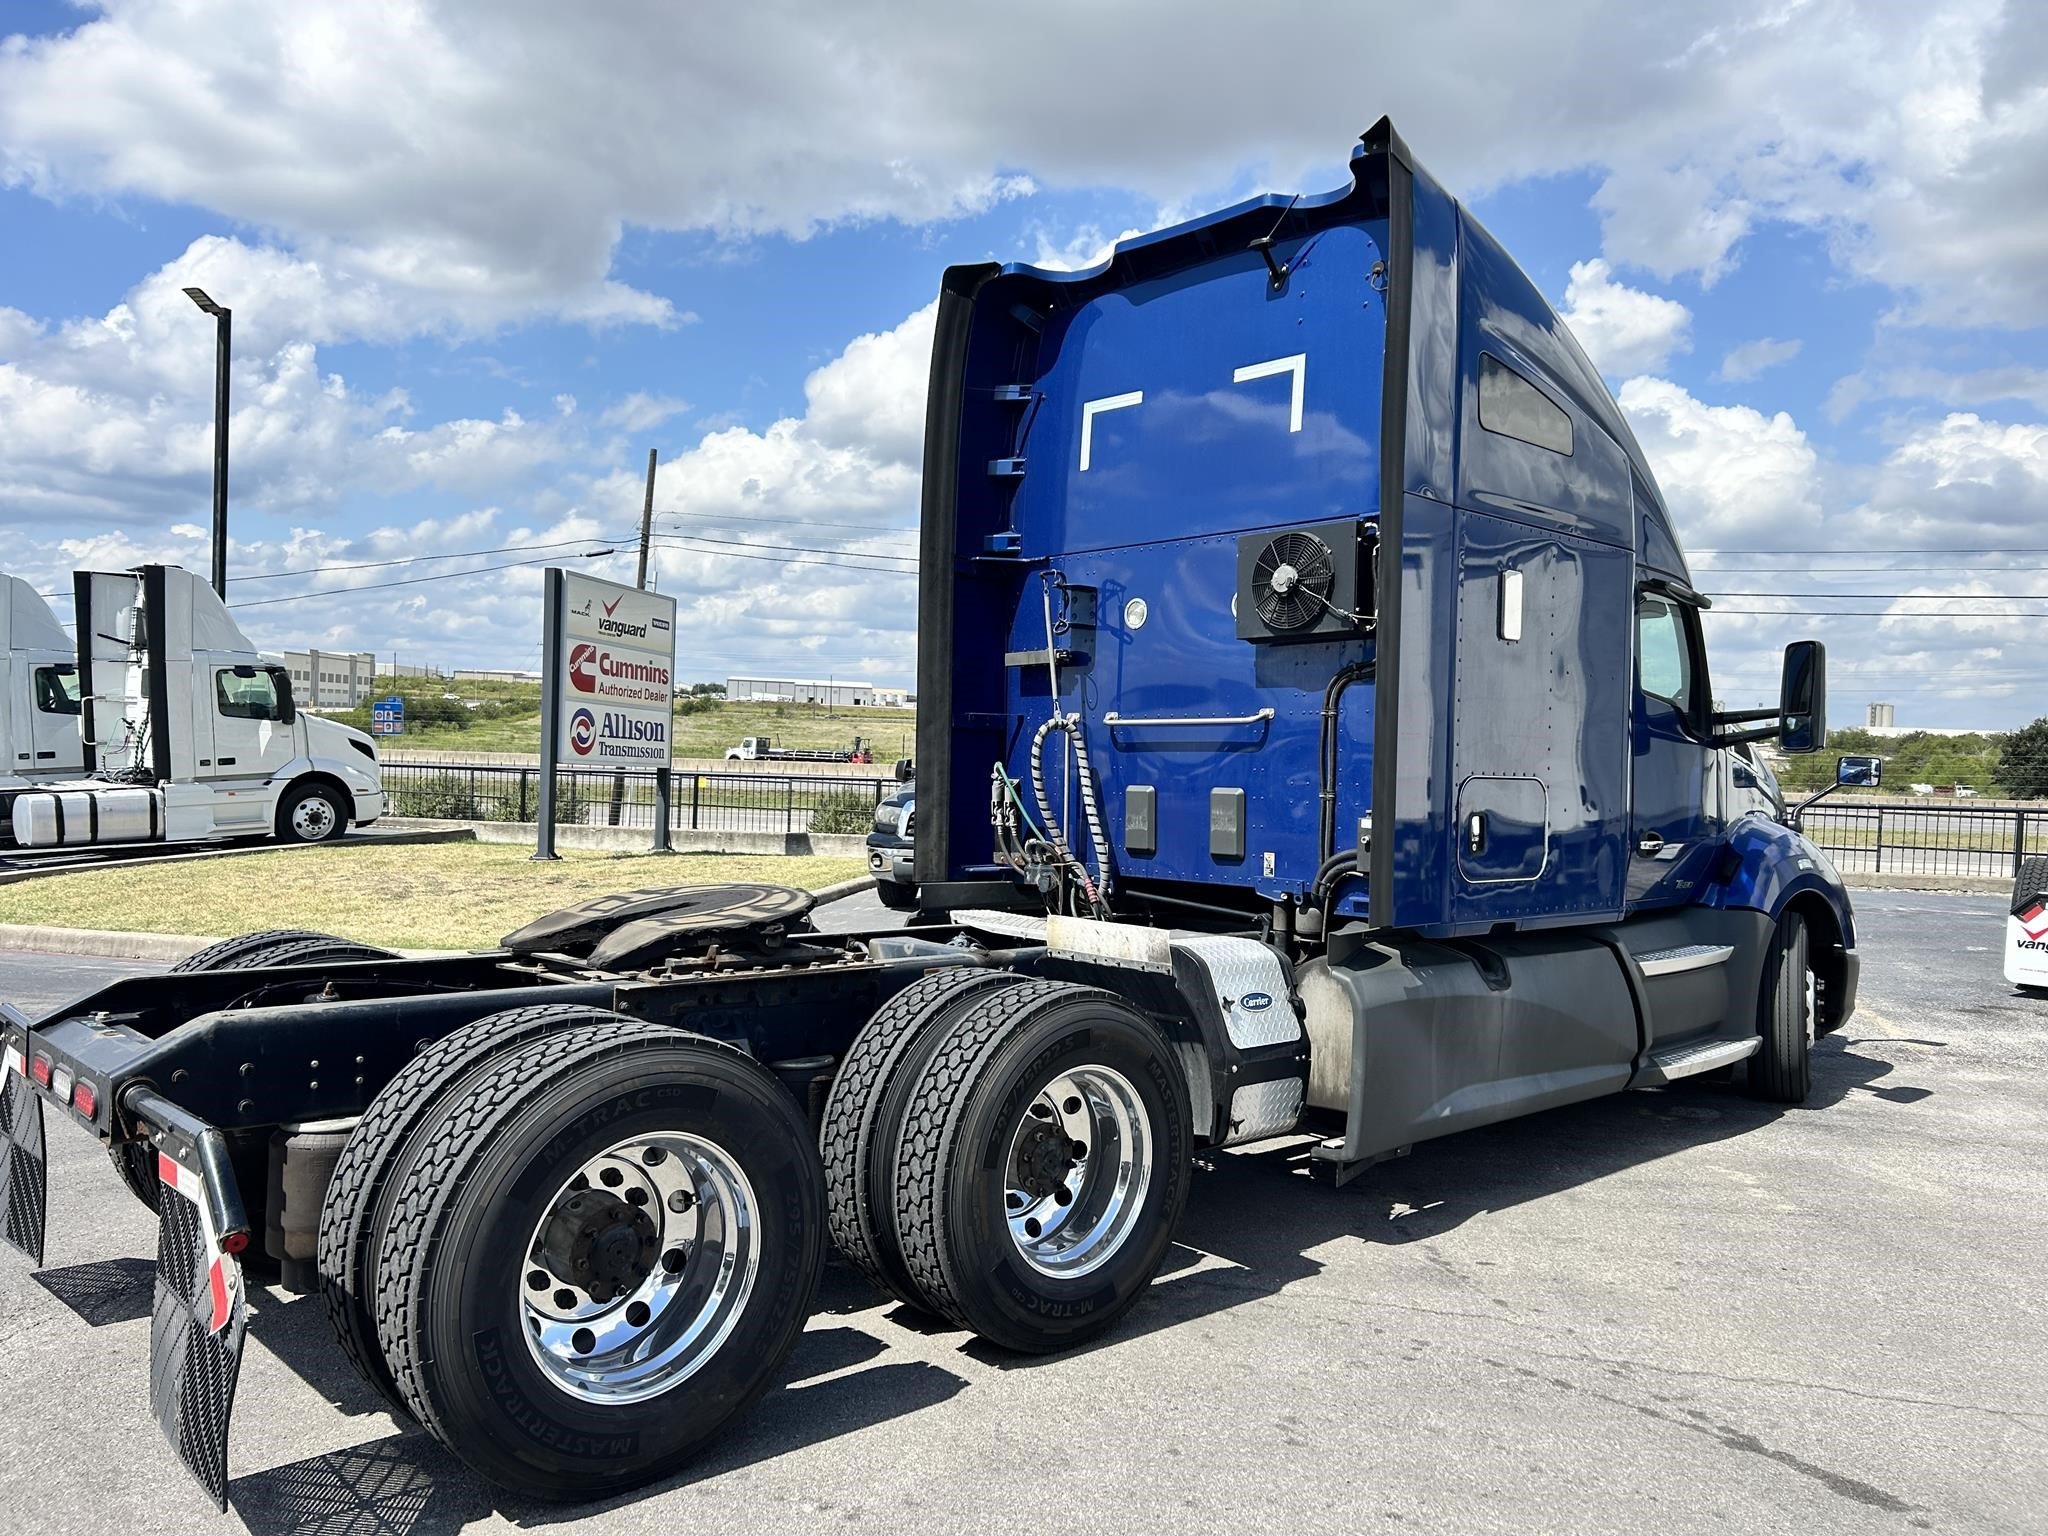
<point>607,687</point>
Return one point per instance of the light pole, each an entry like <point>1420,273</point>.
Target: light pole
<point>225,321</point>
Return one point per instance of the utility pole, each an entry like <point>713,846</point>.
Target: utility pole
<point>646,519</point>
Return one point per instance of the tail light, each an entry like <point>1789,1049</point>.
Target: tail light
<point>60,1084</point>
<point>39,1068</point>
<point>86,1099</point>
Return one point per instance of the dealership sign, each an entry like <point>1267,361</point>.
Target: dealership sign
<point>611,658</point>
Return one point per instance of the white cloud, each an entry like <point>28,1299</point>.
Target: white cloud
<point>1741,485</point>
<point>492,169</point>
<point>643,412</point>
<point>1752,358</point>
<point>1624,330</point>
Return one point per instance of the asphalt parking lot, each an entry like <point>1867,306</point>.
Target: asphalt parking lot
<point>1666,1312</point>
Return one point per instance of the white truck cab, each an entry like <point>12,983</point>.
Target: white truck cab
<point>188,733</point>
<point>39,736</point>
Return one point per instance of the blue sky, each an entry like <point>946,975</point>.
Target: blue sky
<point>476,276</point>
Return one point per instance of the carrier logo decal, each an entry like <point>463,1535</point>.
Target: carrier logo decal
<point>1297,365</point>
<point>582,732</point>
<point>1090,409</point>
<point>1256,1002</point>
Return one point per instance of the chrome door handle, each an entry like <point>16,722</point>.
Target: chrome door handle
<point>1650,844</point>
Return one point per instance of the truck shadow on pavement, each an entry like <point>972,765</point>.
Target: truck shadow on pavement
<point>1253,1221</point>
<point>406,1485</point>
<point>1255,1218</point>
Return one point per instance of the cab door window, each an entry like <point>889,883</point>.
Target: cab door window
<point>245,693</point>
<point>1664,664</point>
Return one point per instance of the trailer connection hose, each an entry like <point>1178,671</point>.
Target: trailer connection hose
<point>1096,889</point>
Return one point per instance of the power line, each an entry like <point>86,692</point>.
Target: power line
<point>414,581</point>
<point>1880,613</point>
<point>720,518</point>
<point>1911,597</point>
<point>1868,549</point>
<point>734,554</point>
<point>801,549</point>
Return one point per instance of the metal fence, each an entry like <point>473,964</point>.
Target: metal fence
<point>708,802</point>
<point>1927,839</point>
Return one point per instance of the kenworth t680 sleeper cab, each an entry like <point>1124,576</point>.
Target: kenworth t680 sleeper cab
<point>1315,739</point>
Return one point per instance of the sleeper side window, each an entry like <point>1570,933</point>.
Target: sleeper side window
<point>57,690</point>
<point>1663,658</point>
<point>1510,405</point>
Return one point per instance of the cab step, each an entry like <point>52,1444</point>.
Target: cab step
<point>1674,1062</point>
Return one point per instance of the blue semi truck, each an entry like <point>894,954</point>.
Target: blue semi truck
<point>1316,740</point>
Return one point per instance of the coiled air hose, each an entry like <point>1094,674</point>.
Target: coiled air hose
<point>1097,888</point>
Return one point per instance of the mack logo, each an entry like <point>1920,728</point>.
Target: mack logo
<point>1255,1002</point>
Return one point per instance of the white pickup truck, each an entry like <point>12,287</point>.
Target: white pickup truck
<point>187,733</point>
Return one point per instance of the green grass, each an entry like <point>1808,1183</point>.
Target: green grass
<point>706,732</point>
<point>413,896</point>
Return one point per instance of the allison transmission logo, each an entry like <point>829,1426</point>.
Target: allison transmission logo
<point>582,732</point>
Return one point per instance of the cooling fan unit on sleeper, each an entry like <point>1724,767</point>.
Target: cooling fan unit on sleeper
<point>1307,583</point>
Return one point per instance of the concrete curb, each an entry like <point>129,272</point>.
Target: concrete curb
<point>449,834</point>
<point>843,889</point>
<point>101,943</point>
<point>1966,885</point>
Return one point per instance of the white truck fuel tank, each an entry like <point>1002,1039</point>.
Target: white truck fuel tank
<point>68,818</point>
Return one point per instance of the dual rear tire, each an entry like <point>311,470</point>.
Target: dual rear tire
<point>1009,1154</point>
<point>574,1246</point>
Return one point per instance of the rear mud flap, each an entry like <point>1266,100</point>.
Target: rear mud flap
<point>24,1165</point>
<point>196,1331</point>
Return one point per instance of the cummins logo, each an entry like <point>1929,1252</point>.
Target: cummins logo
<point>592,666</point>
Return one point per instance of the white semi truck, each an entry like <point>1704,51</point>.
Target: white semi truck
<point>186,733</point>
<point>39,736</point>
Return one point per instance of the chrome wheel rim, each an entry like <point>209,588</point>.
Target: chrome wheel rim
<point>640,1267</point>
<point>313,818</point>
<point>1079,1164</point>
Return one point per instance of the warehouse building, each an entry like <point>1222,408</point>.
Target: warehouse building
<point>833,691</point>
<point>331,679</point>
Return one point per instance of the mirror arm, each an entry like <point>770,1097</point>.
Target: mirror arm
<point>1766,733</point>
<point>1744,716</point>
<point>1799,810</point>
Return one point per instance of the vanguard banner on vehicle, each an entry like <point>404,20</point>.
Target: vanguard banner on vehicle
<point>613,658</point>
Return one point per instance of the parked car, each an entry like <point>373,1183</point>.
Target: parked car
<point>889,850</point>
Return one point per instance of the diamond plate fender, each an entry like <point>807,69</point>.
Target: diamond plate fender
<point>196,1331</point>
<point>24,1163</point>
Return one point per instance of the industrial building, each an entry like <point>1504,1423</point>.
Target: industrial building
<point>331,679</point>
<point>789,690</point>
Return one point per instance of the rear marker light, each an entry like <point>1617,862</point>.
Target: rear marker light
<point>234,1242</point>
<point>39,1069</point>
<point>86,1099</point>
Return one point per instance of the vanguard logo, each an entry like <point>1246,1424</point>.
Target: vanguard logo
<point>611,626</point>
<point>2034,921</point>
